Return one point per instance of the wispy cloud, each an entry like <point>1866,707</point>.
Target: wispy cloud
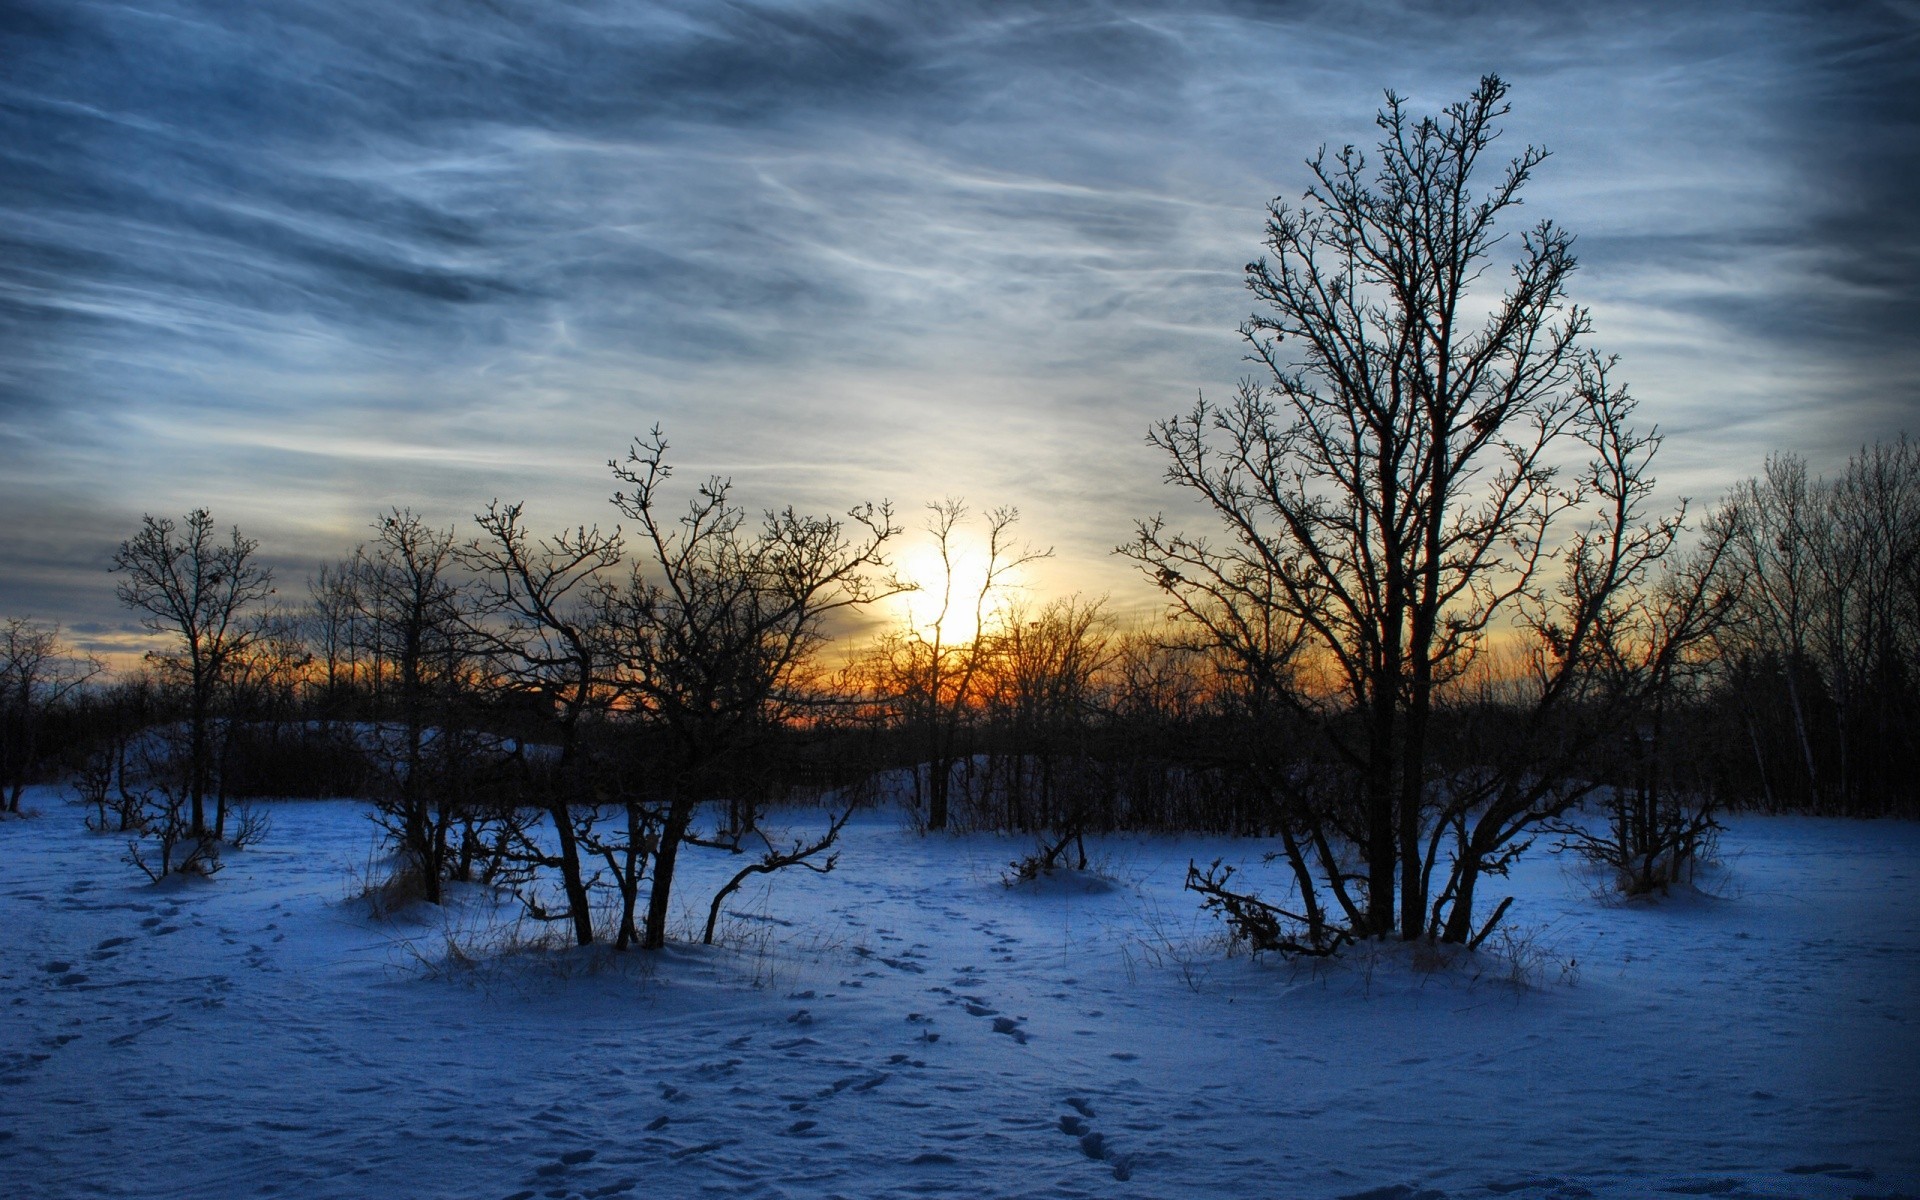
<point>300,261</point>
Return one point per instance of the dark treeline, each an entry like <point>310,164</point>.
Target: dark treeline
<point>1818,673</point>
<point>1804,698</point>
<point>485,669</point>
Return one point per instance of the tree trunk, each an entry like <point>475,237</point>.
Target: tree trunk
<point>1382,861</point>
<point>679,815</point>
<point>570,875</point>
<point>1800,729</point>
<point>197,757</point>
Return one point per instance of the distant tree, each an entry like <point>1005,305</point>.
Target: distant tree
<point>194,586</point>
<point>1779,520</point>
<point>715,629</point>
<point>1043,696</point>
<point>1395,490</point>
<point>412,616</point>
<point>1658,814</point>
<point>38,672</point>
<point>257,748</point>
<point>111,725</point>
<point>1822,650</point>
<point>932,673</point>
<point>328,621</point>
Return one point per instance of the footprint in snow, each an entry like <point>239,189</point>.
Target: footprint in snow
<point>1092,1142</point>
<point>145,1025</point>
<point>1833,1170</point>
<point>1706,1187</point>
<point>1011,1027</point>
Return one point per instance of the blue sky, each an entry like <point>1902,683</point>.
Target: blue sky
<point>300,262</point>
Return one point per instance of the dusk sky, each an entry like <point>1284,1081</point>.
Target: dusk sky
<point>300,262</point>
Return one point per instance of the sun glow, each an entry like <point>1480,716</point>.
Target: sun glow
<point>947,603</point>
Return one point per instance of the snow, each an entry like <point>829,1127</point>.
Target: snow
<point>909,1026</point>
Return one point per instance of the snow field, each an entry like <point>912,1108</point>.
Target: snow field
<point>908,1026</point>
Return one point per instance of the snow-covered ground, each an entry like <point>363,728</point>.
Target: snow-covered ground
<point>907,1026</point>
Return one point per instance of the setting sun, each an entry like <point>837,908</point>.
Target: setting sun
<point>947,603</point>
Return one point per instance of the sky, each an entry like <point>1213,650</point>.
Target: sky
<point>302,262</point>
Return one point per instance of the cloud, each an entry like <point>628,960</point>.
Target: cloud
<point>301,261</point>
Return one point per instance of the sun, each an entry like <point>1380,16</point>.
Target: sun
<point>946,604</point>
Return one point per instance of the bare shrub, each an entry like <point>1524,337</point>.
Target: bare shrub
<point>250,826</point>
<point>1648,844</point>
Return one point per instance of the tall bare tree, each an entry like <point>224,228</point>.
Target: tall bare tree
<point>195,587</point>
<point>1394,491</point>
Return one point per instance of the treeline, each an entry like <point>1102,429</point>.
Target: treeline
<point>1816,688</point>
<point>564,716</point>
<point>422,641</point>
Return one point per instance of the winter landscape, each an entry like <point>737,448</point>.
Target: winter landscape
<point>910,1025</point>
<point>1013,598</point>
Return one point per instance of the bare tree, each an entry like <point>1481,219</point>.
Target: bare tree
<point>1779,520</point>
<point>931,672</point>
<point>1394,492</point>
<point>191,585</point>
<point>552,646</point>
<point>1042,696</point>
<point>37,672</point>
<point>413,613</point>
<point>1828,629</point>
<point>716,628</point>
<point>329,622</point>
